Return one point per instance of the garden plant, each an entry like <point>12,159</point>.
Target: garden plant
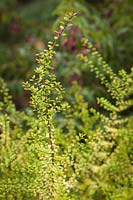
<point>61,148</point>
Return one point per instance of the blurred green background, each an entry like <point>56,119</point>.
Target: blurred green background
<point>27,25</point>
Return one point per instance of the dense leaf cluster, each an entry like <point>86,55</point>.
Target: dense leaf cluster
<point>62,149</point>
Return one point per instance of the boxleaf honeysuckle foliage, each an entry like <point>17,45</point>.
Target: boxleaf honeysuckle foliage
<point>64,150</point>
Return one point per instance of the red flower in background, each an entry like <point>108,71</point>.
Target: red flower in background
<point>73,45</point>
<point>14,28</point>
<point>71,42</point>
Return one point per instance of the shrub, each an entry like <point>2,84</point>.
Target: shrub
<point>106,27</point>
<point>62,149</point>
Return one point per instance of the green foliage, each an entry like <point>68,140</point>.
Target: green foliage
<point>23,32</point>
<point>63,149</point>
<point>105,26</point>
<point>104,23</point>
